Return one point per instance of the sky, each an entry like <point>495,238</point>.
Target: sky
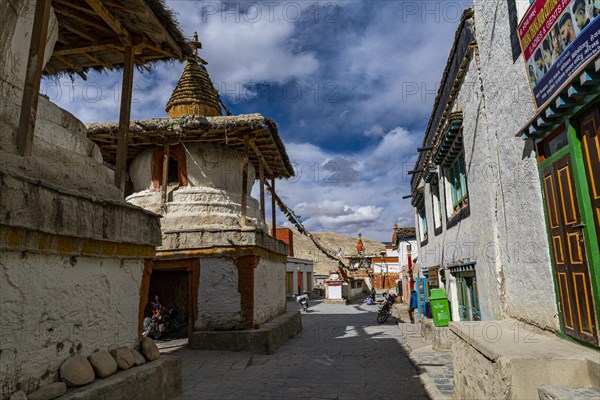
<point>350,84</point>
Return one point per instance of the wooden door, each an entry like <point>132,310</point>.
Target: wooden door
<point>289,283</point>
<point>463,298</point>
<point>590,147</point>
<point>566,237</point>
<point>474,298</point>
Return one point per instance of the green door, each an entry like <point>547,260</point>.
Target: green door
<point>560,160</point>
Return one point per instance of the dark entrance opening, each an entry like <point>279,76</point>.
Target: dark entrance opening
<point>173,171</point>
<point>172,288</point>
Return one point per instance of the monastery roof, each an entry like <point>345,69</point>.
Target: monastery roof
<point>227,131</point>
<point>94,34</point>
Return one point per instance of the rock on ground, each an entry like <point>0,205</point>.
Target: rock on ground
<point>123,357</point>
<point>138,358</point>
<point>149,349</point>
<point>48,392</point>
<point>103,363</point>
<point>76,371</point>
<point>20,395</point>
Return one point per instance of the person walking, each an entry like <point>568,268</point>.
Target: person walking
<point>412,306</point>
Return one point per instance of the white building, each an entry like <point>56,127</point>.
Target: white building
<point>482,196</point>
<point>298,276</point>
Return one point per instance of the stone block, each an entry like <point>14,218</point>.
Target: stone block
<point>123,357</point>
<point>20,395</point>
<point>266,340</point>
<point>149,349</point>
<point>76,371</point>
<point>138,358</point>
<point>156,380</point>
<point>48,392</point>
<point>551,392</point>
<point>103,363</point>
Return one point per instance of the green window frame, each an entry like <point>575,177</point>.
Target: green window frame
<point>458,181</point>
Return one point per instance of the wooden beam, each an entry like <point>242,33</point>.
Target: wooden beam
<point>75,7</point>
<point>165,174</point>
<point>244,210</point>
<point>273,209</point>
<point>260,156</point>
<point>33,77</point>
<point>111,21</point>
<point>86,49</point>
<point>261,173</point>
<point>97,60</point>
<point>77,68</point>
<point>160,50</point>
<point>124,116</point>
<point>68,26</point>
<point>85,20</point>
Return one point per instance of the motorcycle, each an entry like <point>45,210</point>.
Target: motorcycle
<point>162,322</point>
<point>386,310</point>
<point>302,301</point>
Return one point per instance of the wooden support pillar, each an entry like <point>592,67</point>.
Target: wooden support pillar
<point>262,188</point>
<point>246,156</point>
<point>33,77</point>
<point>124,116</point>
<point>273,208</point>
<point>165,174</point>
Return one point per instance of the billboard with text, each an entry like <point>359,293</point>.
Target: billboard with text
<point>558,37</point>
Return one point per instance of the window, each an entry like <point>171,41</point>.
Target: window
<point>458,185</point>
<point>422,223</point>
<point>437,208</point>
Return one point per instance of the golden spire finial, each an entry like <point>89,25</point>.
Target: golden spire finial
<point>196,43</point>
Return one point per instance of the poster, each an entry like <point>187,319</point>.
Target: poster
<point>557,38</point>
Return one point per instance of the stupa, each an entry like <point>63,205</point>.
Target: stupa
<point>217,263</point>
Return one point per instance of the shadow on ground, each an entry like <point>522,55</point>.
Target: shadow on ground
<point>342,353</point>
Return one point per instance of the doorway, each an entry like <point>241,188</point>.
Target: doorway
<point>176,284</point>
<point>568,163</point>
<point>468,297</point>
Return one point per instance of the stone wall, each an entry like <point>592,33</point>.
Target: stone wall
<point>475,376</point>
<point>54,306</point>
<point>218,299</point>
<point>269,290</point>
<point>528,288</point>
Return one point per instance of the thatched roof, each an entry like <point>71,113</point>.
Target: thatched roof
<point>194,94</point>
<point>94,34</point>
<point>226,131</point>
<point>403,233</point>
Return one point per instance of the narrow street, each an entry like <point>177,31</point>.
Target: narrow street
<point>342,353</point>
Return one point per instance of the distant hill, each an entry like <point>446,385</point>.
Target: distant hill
<point>305,248</point>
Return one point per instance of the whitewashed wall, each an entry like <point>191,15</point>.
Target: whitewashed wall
<point>55,306</point>
<point>473,238</point>
<point>269,290</point>
<point>529,292</point>
<point>218,297</point>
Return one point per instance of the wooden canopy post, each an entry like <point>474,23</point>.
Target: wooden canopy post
<point>165,174</point>
<point>124,116</point>
<point>273,209</point>
<point>33,77</point>
<point>262,187</point>
<point>246,156</point>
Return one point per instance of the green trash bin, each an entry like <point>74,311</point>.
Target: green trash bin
<point>439,307</point>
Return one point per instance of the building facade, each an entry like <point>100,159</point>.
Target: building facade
<point>504,192</point>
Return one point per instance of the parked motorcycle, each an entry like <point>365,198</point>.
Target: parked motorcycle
<point>162,321</point>
<point>302,301</point>
<point>386,310</point>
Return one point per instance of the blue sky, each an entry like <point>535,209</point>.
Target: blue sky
<point>350,83</point>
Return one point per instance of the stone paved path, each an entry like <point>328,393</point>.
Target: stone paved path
<point>342,354</point>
